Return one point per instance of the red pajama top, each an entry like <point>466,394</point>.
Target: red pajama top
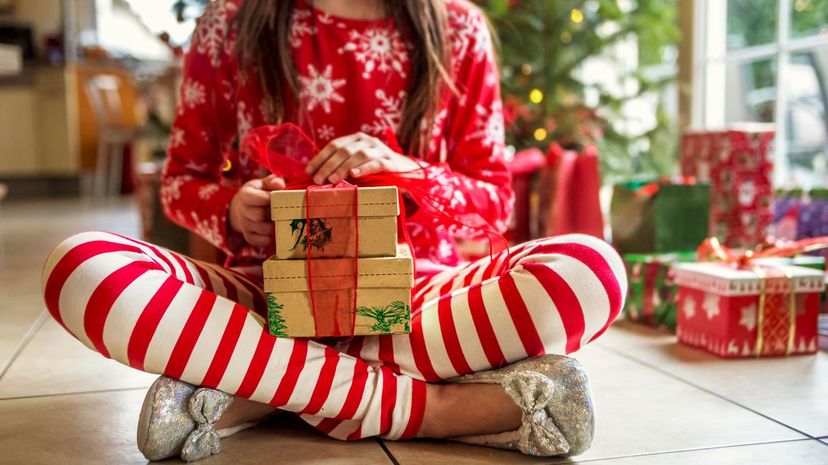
<point>353,76</point>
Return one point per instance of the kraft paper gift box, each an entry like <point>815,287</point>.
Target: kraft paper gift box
<point>651,298</point>
<point>737,313</point>
<point>383,296</point>
<point>330,232</point>
<point>659,216</point>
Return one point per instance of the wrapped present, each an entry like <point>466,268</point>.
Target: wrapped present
<point>339,296</point>
<point>736,312</point>
<point>659,216</point>
<point>738,162</point>
<point>651,297</point>
<point>321,222</point>
<point>800,214</point>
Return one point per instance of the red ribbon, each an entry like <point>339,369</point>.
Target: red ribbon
<point>712,250</point>
<point>285,150</point>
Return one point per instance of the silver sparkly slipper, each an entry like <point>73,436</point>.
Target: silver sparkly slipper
<point>553,393</point>
<point>177,418</point>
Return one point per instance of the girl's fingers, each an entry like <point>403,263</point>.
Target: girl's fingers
<point>326,171</point>
<point>332,147</point>
<point>256,214</point>
<point>258,240</point>
<point>273,183</point>
<point>375,165</point>
<point>260,228</point>
<point>344,170</point>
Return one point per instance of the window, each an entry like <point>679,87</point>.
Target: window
<point>767,61</point>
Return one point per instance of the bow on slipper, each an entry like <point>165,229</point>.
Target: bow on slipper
<point>206,406</point>
<point>538,434</point>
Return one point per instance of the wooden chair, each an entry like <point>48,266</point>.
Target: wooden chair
<point>114,133</point>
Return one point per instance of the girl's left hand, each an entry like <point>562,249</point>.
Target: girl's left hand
<point>355,156</point>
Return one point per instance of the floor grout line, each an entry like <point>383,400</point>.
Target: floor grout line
<point>74,393</point>
<point>702,388</point>
<point>387,451</point>
<point>41,318</point>
<point>680,451</point>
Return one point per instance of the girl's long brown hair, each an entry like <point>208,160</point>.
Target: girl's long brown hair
<point>262,44</point>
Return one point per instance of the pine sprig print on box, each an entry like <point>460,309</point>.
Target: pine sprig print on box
<point>392,314</point>
<point>275,322</point>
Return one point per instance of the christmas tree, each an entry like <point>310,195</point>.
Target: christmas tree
<point>551,57</point>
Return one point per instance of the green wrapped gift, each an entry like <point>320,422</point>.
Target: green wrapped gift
<point>651,298</point>
<point>659,216</point>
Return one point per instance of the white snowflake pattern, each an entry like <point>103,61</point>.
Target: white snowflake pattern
<point>210,35</point>
<point>206,191</point>
<point>689,307</point>
<point>325,132</point>
<point>302,24</point>
<point>243,120</point>
<point>207,228</point>
<point>192,165</point>
<point>320,89</point>
<point>748,317</point>
<point>171,190</point>
<point>711,305</point>
<point>193,93</point>
<point>378,49</point>
<point>469,34</point>
<point>388,113</point>
<point>177,138</point>
<point>489,127</point>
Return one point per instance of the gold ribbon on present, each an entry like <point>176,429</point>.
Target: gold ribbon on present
<point>711,250</point>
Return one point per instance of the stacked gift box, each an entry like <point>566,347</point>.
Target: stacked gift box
<point>338,269</point>
<point>737,163</point>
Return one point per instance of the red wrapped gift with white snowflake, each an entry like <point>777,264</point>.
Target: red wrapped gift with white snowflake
<point>737,163</point>
<point>756,311</point>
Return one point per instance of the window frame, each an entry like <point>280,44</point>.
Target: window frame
<point>710,60</point>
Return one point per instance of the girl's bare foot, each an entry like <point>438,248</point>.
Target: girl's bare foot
<point>243,412</point>
<point>467,409</point>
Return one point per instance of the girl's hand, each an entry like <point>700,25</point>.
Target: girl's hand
<point>355,156</point>
<point>250,210</point>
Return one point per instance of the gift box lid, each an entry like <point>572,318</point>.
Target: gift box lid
<point>726,280</point>
<point>373,201</point>
<point>379,272</point>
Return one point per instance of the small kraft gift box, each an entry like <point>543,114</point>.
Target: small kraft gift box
<point>326,226</point>
<point>754,311</point>
<point>324,297</point>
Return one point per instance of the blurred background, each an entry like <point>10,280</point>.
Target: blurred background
<point>88,89</point>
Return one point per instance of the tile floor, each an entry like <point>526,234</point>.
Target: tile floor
<point>657,402</point>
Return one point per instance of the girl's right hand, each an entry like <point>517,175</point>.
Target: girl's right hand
<point>250,210</point>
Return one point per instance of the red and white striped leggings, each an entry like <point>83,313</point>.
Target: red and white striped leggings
<point>161,312</point>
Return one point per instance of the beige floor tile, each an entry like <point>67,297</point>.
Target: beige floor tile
<point>99,428</point>
<point>54,362</point>
<point>639,411</point>
<point>808,452</point>
<point>80,429</point>
<point>791,390</point>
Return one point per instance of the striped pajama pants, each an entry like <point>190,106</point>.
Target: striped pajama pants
<point>162,312</point>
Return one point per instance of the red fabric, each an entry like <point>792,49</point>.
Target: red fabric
<point>345,86</point>
<point>575,207</point>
